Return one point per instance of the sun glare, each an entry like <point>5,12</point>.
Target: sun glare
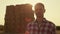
<point>33,4</point>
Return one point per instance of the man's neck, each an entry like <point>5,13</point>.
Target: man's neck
<point>39,20</point>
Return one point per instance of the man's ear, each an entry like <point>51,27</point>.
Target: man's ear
<point>44,10</point>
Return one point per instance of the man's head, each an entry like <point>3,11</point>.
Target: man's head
<point>39,9</point>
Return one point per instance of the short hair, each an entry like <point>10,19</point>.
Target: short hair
<point>39,4</point>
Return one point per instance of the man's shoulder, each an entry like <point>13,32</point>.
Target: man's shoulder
<point>50,23</point>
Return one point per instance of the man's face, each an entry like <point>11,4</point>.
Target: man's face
<point>39,10</point>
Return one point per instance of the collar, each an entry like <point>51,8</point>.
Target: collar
<point>44,20</point>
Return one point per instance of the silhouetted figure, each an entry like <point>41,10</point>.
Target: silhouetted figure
<point>41,25</point>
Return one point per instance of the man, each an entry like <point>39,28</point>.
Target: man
<point>41,25</point>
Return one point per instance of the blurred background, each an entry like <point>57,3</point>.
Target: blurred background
<point>52,10</point>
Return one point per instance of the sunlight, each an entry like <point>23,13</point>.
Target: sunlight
<point>51,9</point>
<point>33,4</point>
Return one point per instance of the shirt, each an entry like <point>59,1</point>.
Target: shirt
<point>46,27</point>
